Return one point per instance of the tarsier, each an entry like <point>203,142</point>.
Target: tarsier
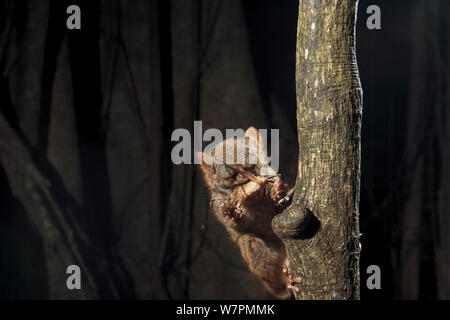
<point>244,199</point>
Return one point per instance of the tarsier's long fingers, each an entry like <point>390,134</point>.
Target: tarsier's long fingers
<point>293,288</point>
<point>231,209</point>
<point>291,282</point>
<point>279,191</point>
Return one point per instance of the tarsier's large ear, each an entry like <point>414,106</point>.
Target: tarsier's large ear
<point>253,134</point>
<point>206,166</point>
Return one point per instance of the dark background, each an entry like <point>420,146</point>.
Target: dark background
<point>86,120</point>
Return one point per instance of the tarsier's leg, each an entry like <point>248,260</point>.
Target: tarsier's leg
<point>266,263</point>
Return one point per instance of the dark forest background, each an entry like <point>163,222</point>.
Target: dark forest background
<point>86,118</point>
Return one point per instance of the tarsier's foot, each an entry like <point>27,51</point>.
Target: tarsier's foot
<point>231,209</point>
<point>278,191</point>
<point>291,282</point>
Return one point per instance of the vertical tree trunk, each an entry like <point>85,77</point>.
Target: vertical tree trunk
<point>442,223</point>
<point>47,176</point>
<point>321,228</point>
<point>411,216</point>
<point>442,217</point>
<point>424,219</point>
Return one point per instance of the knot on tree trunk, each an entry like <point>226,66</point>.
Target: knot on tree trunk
<point>296,223</point>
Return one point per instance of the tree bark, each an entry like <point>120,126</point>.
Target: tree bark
<point>321,226</point>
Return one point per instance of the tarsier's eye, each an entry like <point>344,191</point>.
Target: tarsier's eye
<point>240,178</point>
<point>253,170</point>
<point>243,174</point>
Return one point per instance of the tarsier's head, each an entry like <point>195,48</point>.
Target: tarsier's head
<point>235,162</point>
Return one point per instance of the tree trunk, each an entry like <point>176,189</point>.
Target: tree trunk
<point>441,218</point>
<point>49,151</point>
<point>321,228</point>
<point>415,165</point>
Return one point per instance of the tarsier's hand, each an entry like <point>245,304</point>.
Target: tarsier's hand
<point>231,209</point>
<point>278,191</point>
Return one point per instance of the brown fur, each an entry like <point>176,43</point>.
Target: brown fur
<point>246,208</point>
